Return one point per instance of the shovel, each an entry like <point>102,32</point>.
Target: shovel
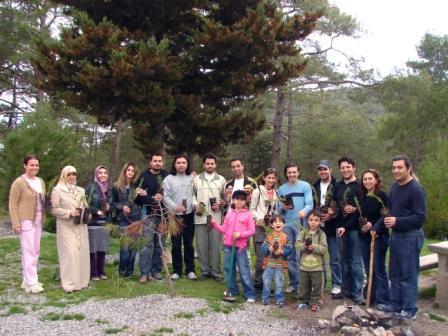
<point>369,284</point>
<point>228,296</point>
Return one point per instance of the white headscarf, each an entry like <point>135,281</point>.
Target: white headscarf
<point>63,178</point>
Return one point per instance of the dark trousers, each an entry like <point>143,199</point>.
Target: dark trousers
<point>404,265</point>
<point>187,236</point>
<point>97,262</point>
<point>127,260</point>
<point>380,280</point>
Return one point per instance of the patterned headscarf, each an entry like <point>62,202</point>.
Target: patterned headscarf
<point>63,182</point>
<point>104,186</point>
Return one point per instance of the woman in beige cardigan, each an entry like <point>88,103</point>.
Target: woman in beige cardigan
<point>26,199</point>
<point>72,239</point>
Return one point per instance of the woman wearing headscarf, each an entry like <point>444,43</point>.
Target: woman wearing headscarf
<point>26,199</point>
<point>99,196</point>
<point>72,239</point>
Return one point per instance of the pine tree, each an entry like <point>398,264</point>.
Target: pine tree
<point>177,69</point>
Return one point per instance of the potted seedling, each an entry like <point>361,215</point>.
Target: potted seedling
<point>384,211</point>
<point>212,201</point>
<point>344,202</point>
<point>308,242</point>
<point>362,220</point>
<point>202,209</point>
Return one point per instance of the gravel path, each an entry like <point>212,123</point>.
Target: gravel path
<point>150,315</point>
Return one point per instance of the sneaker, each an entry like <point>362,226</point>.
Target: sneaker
<point>217,278</point>
<point>336,291</point>
<point>34,289</point>
<point>229,297</point>
<point>205,276</point>
<point>192,276</point>
<point>95,279</point>
<point>280,304</point>
<point>143,278</point>
<point>157,276</point>
<point>303,306</point>
<point>23,285</point>
<point>360,301</point>
<point>265,303</point>
<point>250,300</point>
<point>385,308</point>
<point>103,277</point>
<point>406,315</point>
<point>315,307</point>
<point>290,290</point>
<point>175,276</point>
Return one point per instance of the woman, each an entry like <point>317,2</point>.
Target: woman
<point>71,239</point>
<point>262,205</point>
<point>100,198</point>
<point>26,204</point>
<point>124,193</point>
<point>372,201</point>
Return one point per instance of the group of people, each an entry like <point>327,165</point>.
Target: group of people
<point>292,226</point>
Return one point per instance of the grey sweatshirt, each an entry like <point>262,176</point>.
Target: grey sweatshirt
<point>175,189</point>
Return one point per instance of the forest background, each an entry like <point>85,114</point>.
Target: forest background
<point>105,82</point>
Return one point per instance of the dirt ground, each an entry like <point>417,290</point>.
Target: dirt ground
<point>426,322</point>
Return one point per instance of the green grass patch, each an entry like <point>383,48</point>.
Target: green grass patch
<point>13,310</point>
<point>112,331</point>
<point>184,315</point>
<point>51,317</point>
<point>202,311</point>
<point>100,321</point>
<point>276,314</point>
<point>437,317</point>
<point>428,293</point>
<point>221,307</point>
<point>77,317</point>
<point>163,330</point>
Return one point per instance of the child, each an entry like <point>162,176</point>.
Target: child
<point>312,244</point>
<point>237,228</point>
<point>276,248</point>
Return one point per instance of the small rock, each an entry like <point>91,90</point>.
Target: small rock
<point>334,326</point>
<point>345,321</point>
<point>365,333</point>
<point>338,311</point>
<point>389,333</point>
<point>397,331</point>
<point>380,331</point>
<point>323,323</point>
<point>361,313</point>
<point>409,332</point>
<point>379,315</point>
<point>350,331</point>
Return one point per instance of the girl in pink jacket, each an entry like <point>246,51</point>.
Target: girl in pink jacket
<point>237,228</point>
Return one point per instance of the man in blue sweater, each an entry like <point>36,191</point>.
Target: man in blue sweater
<point>407,207</point>
<point>298,201</point>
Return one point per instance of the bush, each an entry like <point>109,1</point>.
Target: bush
<point>434,176</point>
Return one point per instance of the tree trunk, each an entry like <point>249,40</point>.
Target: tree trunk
<point>12,120</point>
<point>117,145</point>
<point>278,123</point>
<point>289,134</point>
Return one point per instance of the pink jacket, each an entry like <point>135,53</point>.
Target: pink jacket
<point>237,221</point>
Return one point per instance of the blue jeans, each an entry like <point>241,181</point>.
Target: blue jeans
<point>150,254</point>
<point>353,274</point>
<point>404,265</point>
<point>380,281</point>
<point>127,260</point>
<point>293,268</point>
<point>335,261</point>
<point>242,261</point>
<point>275,273</point>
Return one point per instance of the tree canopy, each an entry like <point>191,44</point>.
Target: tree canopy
<point>177,69</point>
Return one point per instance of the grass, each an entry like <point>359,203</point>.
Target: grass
<point>112,331</point>
<point>184,315</point>
<point>428,293</point>
<point>437,317</point>
<point>16,310</point>
<point>163,330</point>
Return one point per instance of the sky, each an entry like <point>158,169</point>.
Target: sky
<point>392,29</point>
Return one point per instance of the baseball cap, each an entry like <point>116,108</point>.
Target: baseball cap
<point>324,164</point>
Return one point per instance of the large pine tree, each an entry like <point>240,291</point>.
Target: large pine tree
<point>177,69</point>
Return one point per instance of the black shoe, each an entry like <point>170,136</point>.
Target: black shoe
<point>205,276</point>
<point>360,301</point>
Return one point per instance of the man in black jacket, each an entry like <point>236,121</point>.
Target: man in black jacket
<point>348,229</point>
<point>324,189</point>
<point>151,181</point>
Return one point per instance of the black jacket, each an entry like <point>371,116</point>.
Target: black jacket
<point>349,221</point>
<point>331,225</point>
<point>152,184</point>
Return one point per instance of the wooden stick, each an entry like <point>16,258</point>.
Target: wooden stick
<point>369,283</point>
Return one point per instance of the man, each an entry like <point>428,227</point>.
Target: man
<point>407,207</point>
<point>239,181</point>
<point>208,190</point>
<point>151,182</point>
<point>299,199</point>
<point>324,188</point>
<point>348,229</point>
<point>178,198</point>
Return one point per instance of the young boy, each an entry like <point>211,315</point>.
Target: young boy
<point>312,244</point>
<point>276,248</point>
<point>237,228</point>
